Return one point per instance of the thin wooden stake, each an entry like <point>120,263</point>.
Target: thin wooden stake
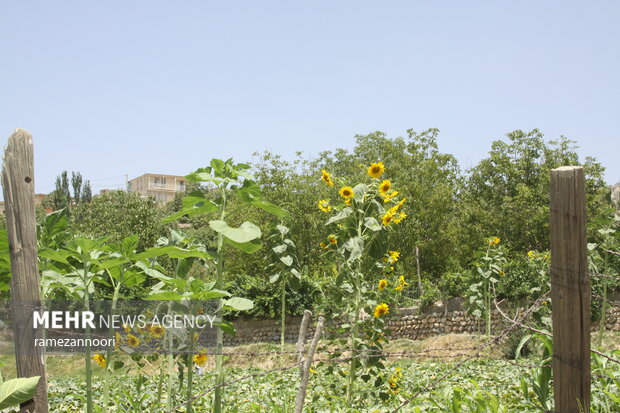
<point>18,187</point>
<point>305,374</point>
<point>570,291</point>
<point>301,339</point>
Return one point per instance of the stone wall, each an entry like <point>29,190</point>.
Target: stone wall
<point>408,323</point>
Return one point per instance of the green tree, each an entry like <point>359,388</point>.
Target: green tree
<point>117,215</point>
<point>507,193</point>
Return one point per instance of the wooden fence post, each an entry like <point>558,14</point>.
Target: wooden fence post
<point>18,187</point>
<point>570,291</point>
<point>305,373</point>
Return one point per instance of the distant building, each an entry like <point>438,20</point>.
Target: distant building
<point>161,187</point>
<point>615,194</point>
<point>38,199</point>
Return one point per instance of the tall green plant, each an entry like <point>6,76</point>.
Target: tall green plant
<point>357,244</point>
<point>285,266</point>
<point>228,179</point>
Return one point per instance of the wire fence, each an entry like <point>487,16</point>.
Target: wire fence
<point>459,356</point>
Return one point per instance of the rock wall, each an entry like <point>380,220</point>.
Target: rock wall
<point>403,323</point>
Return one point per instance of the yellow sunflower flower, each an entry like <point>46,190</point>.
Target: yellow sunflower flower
<point>382,284</point>
<point>394,256</point>
<point>531,254</point>
<point>381,309</point>
<point>400,217</point>
<point>324,205</point>
<point>387,218</point>
<point>132,340</point>
<point>323,245</point>
<point>384,187</point>
<point>332,239</point>
<point>376,169</point>
<point>157,331</point>
<point>388,197</point>
<point>396,207</point>
<point>327,178</point>
<point>200,359</point>
<point>346,192</point>
<point>100,359</point>
<point>494,241</point>
<point>401,283</point>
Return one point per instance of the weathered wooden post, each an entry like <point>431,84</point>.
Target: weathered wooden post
<point>570,291</point>
<point>307,363</point>
<point>18,186</point>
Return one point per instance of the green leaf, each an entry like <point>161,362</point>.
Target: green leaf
<point>356,246</point>
<point>271,208</point>
<point>274,278</point>
<point>283,230</point>
<point>359,191</point>
<point>239,304</point>
<point>247,247</point>
<point>245,233</point>
<point>193,204</point>
<point>16,391</point>
<point>372,224</point>
<point>288,260</point>
<point>55,255</point>
<point>279,249</point>
<point>340,216</point>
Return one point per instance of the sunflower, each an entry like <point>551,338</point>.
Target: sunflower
<point>382,284</point>
<point>394,255</point>
<point>332,239</point>
<point>346,192</point>
<point>324,205</point>
<point>531,254</point>
<point>323,245</point>
<point>347,201</point>
<point>387,218</point>
<point>396,207</point>
<point>400,217</point>
<point>157,331</point>
<point>381,309</point>
<point>327,178</point>
<point>376,170</point>
<point>388,196</point>
<point>200,359</point>
<point>384,187</point>
<point>493,241</point>
<point>100,359</point>
<point>132,340</point>
<point>401,283</point>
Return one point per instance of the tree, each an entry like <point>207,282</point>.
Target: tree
<point>76,183</point>
<point>507,194</point>
<point>117,215</point>
<point>87,194</point>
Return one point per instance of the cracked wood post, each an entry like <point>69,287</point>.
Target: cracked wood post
<point>570,291</point>
<point>18,187</point>
<point>301,339</point>
<point>305,374</point>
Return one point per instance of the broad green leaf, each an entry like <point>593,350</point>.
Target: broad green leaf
<point>193,204</point>
<point>283,230</point>
<point>55,255</point>
<point>279,249</point>
<point>359,191</point>
<point>245,233</point>
<point>247,247</point>
<point>16,391</point>
<point>271,208</point>
<point>372,224</point>
<point>288,260</point>
<point>340,216</point>
<point>239,304</point>
<point>274,278</point>
<point>356,246</point>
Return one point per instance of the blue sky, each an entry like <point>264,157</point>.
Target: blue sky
<point>111,88</point>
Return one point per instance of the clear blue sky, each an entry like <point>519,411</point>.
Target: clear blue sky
<point>115,87</point>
